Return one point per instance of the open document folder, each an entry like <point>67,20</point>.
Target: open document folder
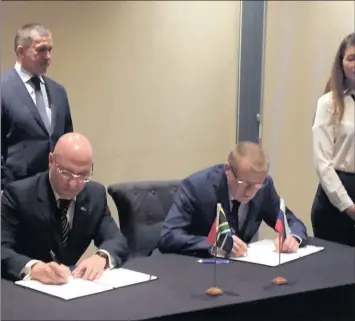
<point>75,288</point>
<point>263,252</point>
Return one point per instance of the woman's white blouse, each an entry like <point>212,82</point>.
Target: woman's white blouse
<point>334,148</point>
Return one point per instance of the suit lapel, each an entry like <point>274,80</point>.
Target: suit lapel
<point>49,210</point>
<point>22,92</point>
<point>251,221</point>
<point>81,213</point>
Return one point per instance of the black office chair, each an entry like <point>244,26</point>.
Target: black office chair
<point>142,208</point>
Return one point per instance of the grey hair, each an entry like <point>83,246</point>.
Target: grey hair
<point>23,35</point>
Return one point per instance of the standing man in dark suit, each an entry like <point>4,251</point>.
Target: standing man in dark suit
<point>34,109</point>
<point>247,195</point>
<point>48,220</point>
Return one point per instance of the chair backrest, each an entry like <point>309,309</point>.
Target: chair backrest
<point>142,208</point>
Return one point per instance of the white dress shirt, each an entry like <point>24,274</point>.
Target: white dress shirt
<point>242,213</point>
<point>26,76</point>
<point>334,148</point>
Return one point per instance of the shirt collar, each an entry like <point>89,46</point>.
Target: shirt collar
<point>57,197</point>
<point>24,74</point>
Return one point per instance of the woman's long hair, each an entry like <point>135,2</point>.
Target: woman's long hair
<point>337,82</point>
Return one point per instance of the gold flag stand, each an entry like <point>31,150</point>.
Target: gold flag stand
<point>279,280</point>
<point>214,290</point>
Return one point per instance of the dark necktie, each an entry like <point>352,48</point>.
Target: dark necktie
<point>40,101</point>
<point>64,223</point>
<point>233,217</point>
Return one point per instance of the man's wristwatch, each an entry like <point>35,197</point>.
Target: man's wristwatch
<point>104,255</point>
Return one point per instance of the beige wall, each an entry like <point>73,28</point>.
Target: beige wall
<point>301,40</point>
<point>152,84</point>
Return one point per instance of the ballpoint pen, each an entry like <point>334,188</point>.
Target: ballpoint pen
<point>217,261</point>
<point>54,257</point>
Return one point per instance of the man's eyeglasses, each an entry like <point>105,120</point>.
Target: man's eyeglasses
<point>69,175</point>
<point>245,184</point>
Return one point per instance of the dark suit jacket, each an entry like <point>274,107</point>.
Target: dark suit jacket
<point>25,141</point>
<point>192,214</point>
<point>30,226</point>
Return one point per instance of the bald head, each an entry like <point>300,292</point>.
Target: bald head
<point>71,165</point>
<point>74,145</point>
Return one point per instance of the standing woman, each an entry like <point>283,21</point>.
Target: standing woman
<point>333,210</point>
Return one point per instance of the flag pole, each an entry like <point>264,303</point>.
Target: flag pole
<point>279,280</point>
<point>214,290</point>
<point>215,272</point>
<point>281,244</point>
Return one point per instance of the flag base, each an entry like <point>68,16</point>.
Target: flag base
<point>279,280</point>
<point>213,290</point>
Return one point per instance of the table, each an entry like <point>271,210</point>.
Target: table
<point>321,286</point>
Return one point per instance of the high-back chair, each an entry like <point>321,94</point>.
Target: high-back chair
<point>142,208</point>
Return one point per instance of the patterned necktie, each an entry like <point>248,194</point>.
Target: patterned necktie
<point>42,110</point>
<point>64,223</point>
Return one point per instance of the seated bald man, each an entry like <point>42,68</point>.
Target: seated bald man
<point>247,195</point>
<point>49,220</point>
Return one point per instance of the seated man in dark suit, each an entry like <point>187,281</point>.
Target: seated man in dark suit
<point>247,196</point>
<point>49,220</point>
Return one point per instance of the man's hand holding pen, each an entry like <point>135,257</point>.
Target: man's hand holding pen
<point>50,273</point>
<point>239,247</point>
<point>57,273</point>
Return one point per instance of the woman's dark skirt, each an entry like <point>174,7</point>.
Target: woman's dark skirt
<point>327,221</point>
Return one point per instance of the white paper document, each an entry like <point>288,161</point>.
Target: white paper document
<point>118,278</point>
<point>75,288</point>
<point>263,252</point>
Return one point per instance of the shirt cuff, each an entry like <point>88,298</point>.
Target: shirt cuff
<point>345,204</point>
<point>111,260</point>
<point>25,273</point>
<point>297,237</point>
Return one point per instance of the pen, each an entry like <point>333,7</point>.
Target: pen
<point>217,261</point>
<point>54,257</point>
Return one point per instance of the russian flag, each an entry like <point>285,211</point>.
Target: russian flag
<point>281,225</point>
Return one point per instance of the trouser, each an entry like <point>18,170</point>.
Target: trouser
<point>327,221</point>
